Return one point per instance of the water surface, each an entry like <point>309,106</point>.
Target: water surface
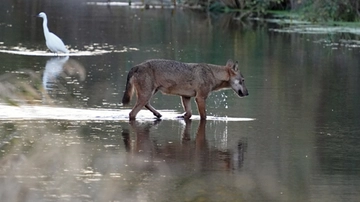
<point>300,145</point>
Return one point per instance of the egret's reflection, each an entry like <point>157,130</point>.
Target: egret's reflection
<point>53,69</point>
<point>58,71</point>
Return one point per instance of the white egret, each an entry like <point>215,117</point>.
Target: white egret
<point>53,42</point>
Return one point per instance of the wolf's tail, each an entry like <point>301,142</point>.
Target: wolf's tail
<point>129,89</point>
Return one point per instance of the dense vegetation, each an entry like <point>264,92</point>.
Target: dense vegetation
<point>313,10</point>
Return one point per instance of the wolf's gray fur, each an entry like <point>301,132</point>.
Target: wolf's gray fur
<point>184,79</point>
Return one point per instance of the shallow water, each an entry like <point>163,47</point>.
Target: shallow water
<point>294,138</point>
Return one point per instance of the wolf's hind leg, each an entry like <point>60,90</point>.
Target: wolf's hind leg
<point>153,110</point>
<point>142,100</point>
<point>135,110</point>
<point>187,107</point>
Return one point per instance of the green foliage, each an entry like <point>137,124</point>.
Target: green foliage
<point>312,10</point>
<point>331,10</point>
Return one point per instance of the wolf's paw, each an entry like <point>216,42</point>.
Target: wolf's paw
<point>158,116</point>
<point>184,116</point>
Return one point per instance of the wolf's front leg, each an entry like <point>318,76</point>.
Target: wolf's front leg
<point>201,105</point>
<point>187,107</point>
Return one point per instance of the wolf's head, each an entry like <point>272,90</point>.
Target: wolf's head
<point>237,81</point>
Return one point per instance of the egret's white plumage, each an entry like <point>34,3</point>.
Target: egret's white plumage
<point>53,42</point>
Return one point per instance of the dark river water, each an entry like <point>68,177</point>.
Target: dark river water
<point>64,135</point>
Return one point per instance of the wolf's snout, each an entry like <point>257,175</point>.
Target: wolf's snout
<point>243,94</point>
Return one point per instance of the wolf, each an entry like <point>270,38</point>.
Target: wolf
<point>184,79</point>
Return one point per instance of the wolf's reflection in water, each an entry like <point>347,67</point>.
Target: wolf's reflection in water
<point>191,154</point>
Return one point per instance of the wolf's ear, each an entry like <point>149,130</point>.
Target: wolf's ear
<point>230,63</point>
<point>236,66</point>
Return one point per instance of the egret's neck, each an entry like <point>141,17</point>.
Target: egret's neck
<point>46,29</point>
